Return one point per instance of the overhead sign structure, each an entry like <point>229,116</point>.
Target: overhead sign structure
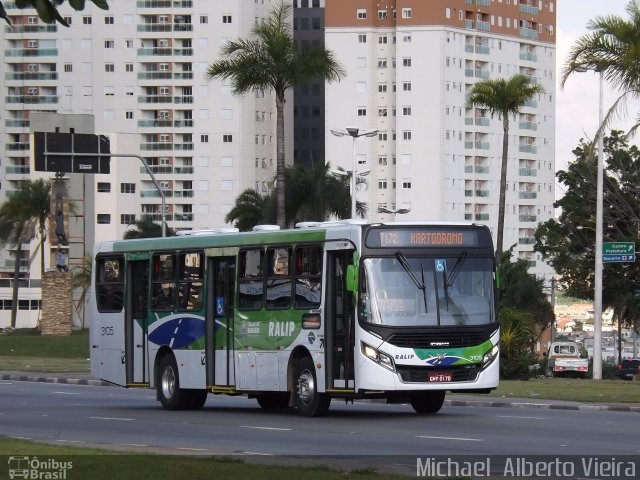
<point>71,152</point>
<point>619,252</point>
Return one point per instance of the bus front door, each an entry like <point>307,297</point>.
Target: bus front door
<point>339,323</point>
<point>136,324</point>
<point>219,327</point>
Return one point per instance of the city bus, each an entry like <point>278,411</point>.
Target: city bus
<point>298,317</point>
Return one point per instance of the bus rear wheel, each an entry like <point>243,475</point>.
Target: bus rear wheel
<point>308,401</point>
<point>427,402</point>
<point>270,400</point>
<point>171,396</point>
<point>197,399</point>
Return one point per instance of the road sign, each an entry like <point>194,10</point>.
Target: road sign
<point>619,248</point>
<point>70,152</point>
<point>607,258</point>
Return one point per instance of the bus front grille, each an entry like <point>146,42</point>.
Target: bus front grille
<point>415,374</point>
<point>437,339</point>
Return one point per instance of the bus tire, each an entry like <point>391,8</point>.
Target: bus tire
<point>270,400</point>
<point>197,398</point>
<point>427,402</point>
<point>171,396</point>
<point>308,401</point>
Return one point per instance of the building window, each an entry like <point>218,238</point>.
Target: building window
<point>68,20</point>
<point>108,20</point>
<point>382,63</point>
<point>104,187</point>
<point>128,43</point>
<point>362,38</point>
<point>406,111</point>
<point>406,86</point>
<point>128,67</point>
<point>382,111</point>
<point>382,87</point>
<point>127,219</point>
<point>226,19</point>
<point>204,138</point>
<point>382,160</point>
<point>227,138</point>
<point>382,136</point>
<point>406,62</point>
<point>68,68</point>
<point>406,13</point>
<point>109,44</point>
<point>406,135</point>
<point>127,188</point>
<point>382,184</point>
<point>406,38</point>
<point>109,68</point>
<point>128,115</point>
<point>86,20</point>
<point>104,218</point>
<point>361,13</point>
<point>382,39</point>
<point>204,19</point>
<point>406,183</point>
<point>382,14</point>
<point>362,112</point>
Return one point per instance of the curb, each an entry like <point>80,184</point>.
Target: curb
<point>516,403</point>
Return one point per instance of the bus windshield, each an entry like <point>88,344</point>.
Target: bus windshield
<point>427,291</point>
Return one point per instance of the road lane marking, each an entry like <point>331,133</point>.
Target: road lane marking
<point>518,416</point>
<point>6,383</point>
<point>133,445</point>
<point>113,418</point>
<point>462,439</point>
<point>193,449</point>
<point>71,441</point>
<point>22,438</point>
<point>265,428</point>
<point>258,453</point>
<point>67,393</point>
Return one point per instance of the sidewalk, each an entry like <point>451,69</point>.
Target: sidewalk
<point>453,399</point>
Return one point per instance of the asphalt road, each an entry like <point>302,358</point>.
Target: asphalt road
<point>132,419</point>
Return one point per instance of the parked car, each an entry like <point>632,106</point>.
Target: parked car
<point>628,368</point>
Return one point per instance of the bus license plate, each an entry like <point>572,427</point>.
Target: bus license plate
<point>440,377</point>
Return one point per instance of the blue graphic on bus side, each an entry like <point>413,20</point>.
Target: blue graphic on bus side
<point>178,332</point>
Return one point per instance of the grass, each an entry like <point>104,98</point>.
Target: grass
<point>28,351</point>
<point>103,464</point>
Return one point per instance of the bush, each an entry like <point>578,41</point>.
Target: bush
<point>518,366</point>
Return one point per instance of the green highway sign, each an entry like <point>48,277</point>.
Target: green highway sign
<point>619,248</point>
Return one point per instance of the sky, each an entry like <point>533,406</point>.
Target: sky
<point>577,102</point>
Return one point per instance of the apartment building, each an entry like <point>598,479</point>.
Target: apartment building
<point>139,69</point>
<point>410,67</point>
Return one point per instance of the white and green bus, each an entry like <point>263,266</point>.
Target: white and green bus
<point>294,318</point>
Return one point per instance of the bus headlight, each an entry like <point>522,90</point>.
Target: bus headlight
<point>380,358</point>
<point>490,356</point>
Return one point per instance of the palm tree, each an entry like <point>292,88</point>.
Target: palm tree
<point>47,10</point>
<point>23,214</point>
<point>251,208</point>
<point>269,60</point>
<point>80,280</point>
<point>612,48</point>
<point>503,97</point>
<point>146,228</point>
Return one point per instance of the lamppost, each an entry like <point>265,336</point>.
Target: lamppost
<point>597,295</point>
<point>354,133</point>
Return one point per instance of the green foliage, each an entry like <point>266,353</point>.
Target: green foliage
<point>146,228</point>
<point>269,60</point>
<point>48,9</point>
<point>517,332</point>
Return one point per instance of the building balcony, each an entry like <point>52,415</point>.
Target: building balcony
<point>183,217</point>
<point>529,126</point>
<point>478,144</point>
<point>183,194</point>
<point>154,146</point>
<point>154,217</point>
<point>528,9</point>
<point>17,169</point>
<point>529,33</point>
<point>183,123</point>
<point>474,48</point>
<point>531,103</point>
<point>164,3</point>
<point>16,123</point>
<point>31,52</point>
<point>482,217</point>
<point>483,26</point>
<point>154,99</point>
<point>481,193</point>
<point>528,57</point>
<point>30,28</point>
<point>183,99</point>
<point>183,170</point>
<point>31,76</point>
<point>528,172</point>
<point>468,24</point>
<point>154,51</point>
<point>155,193</point>
<point>183,146</point>
<point>154,27</point>
<point>480,169</point>
<point>528,195</point>
<point>527,240</point>
<point>526,148</point>
<point>182,52</point>
<point>527,217</point>
<point>155,123</point>
<point>154,75</point>
<point>182,27</point>
<point>468,193</point>
<point>158,169</point>
<point>468,216</point>
<point>18,146</point>
<point>182,75</point>
<point>31,99</point>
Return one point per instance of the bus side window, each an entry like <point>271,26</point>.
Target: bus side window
<point>109,284</point>
<point>278,278</point>
<point>190,281</point>
<point>163,283</point>
<point>250,279</point>
<point>308,280</point>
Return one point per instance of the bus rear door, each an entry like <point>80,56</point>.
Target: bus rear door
<point>136,322</point>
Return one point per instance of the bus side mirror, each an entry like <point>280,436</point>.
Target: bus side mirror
<point>352,278</point>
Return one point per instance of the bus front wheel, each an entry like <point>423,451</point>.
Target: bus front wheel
<point>171,396</point>
<point>427,402</point>
<point>308,401</point>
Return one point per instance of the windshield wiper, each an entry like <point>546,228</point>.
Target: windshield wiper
<point>402,260</point>
<point>457,268</point>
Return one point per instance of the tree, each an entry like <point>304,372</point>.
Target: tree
<point>269,61</point>
<point>23,214</point>
<point>48,9</point>
<point>517,332</point>
<point>568,242</point>
<point>250,209</point>
<point>503,97</point>
<point>613,48</point>
<point>146,228</point>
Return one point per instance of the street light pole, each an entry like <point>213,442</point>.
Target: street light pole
<point>597,296</point>
<point>354,133</point>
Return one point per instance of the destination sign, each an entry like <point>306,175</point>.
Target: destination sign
<point>421,237</point>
